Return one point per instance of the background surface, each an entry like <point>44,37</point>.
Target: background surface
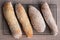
<point>35,37</point>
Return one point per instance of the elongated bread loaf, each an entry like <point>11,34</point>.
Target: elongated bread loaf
<point>23,19</point>
<point>11,20</point>
<point>36,19</point>
<point>49,18</point>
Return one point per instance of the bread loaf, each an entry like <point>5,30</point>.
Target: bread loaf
<point>49,18</point>
<point>11,20</point>
<point>36,18</point>
<point>24,20</point>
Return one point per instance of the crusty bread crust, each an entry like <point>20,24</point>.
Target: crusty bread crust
<point>11,20</point>
<point>49,18</point>
<point>23,19</point>
<point>36,19</point>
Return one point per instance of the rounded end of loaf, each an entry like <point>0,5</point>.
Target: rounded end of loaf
<point>19,6</point>
<point>29,35</point>
<point>41,30</point>
<point>17,36</point>
<point>42,27</point>
<point>6,4</point>
<point>44,5</point>
<point>30,6</point>
<point>55,32</point>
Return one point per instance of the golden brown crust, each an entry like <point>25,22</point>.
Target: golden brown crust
<point>23,18</point>
<point>11,20</point>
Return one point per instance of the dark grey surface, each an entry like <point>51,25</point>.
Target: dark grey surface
<point>53,8</point>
